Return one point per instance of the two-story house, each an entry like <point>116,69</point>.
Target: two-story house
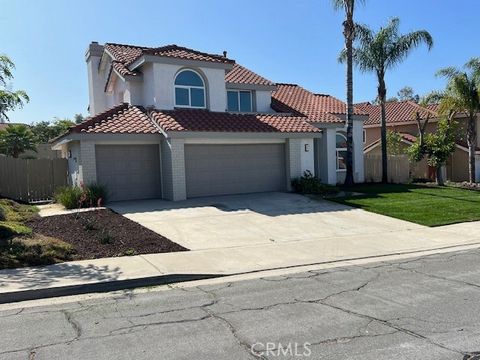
<point>174,123</point>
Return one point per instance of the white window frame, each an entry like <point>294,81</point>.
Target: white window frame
<point>238,97</point>
<point>337,150</point>
<point>189,87</point>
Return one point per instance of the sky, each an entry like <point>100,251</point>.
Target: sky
<point>292,41</point>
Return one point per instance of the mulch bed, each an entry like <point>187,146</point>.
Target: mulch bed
<point>102,233</point>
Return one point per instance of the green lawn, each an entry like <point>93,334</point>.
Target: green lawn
<point>431,206</point>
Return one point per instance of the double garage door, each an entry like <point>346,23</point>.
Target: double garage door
<point>234,169</point>
<point>129,171</point>
<point>133,171</point>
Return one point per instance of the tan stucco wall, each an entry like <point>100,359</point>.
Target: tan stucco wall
<point>457,167</point>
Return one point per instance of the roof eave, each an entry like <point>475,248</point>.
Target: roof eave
<point>242,135</point>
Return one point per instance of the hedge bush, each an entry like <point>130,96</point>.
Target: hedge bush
<point>74,197</point>
<point>309,184</point>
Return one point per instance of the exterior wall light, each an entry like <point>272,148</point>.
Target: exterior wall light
<point>307,147</point>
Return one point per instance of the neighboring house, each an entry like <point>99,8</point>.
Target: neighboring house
<point>401,118</point>
<point>174,123</point>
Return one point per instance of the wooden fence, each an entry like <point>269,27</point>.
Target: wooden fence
<point>31,180</point>
<point>398,168</point>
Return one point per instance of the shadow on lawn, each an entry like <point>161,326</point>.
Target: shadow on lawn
<point>36,277</point>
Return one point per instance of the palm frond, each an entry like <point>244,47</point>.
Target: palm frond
<point>6,67</point>
<point>405,44</point>
<point>448,72</point>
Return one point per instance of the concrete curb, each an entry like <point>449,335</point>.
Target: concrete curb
<point>115,285</point>
<point>100,287</point>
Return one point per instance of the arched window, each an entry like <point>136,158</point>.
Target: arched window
<point>189,90</point>
<point>341,152</point>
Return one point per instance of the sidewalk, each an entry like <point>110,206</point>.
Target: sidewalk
<point>110,274</point>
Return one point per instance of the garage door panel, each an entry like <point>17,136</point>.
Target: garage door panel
<point>129,171</point>
<point>234,169</point>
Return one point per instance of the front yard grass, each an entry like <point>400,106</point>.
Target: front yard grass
<point>19,246</point>
<point>421,204</point>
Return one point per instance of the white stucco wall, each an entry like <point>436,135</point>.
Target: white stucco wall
<point>263,100</point>
<point>307,156</point>
<point>158,86</point>
<point>73,163</point>
<point>97,101</point>
<point>326,157</point>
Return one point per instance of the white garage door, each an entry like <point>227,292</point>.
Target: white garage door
<point>129,171</point>
<point>234,169</point>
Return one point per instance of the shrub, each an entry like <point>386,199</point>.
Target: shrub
<point>105,238</point>
<point>3,216</point>
<point>69,196</point>
<point>97,194</point>
<point>73,197</point>
<point>309,184</point>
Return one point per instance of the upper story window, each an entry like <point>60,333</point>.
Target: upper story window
<point>240,101</point>
<point>341,148</point>
<point>189,90</point>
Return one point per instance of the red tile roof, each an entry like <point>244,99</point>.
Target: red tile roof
<point>241,75</point>
<point>121,119</point>
<point>124,55</point>
<point>408,137</point>
<point>128,119</point>
<point>208,121</point>
<point>181,52</point>
<point>317,107</point>
<point>396,112</point>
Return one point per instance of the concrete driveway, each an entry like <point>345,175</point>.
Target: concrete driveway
<point>253,219</point>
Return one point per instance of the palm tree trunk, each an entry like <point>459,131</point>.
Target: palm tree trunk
<point>349,28</point>
<point>471,140</point>
<point>382,94</point>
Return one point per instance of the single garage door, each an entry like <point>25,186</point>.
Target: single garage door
<point>129,171</point>
<point>234,169</point>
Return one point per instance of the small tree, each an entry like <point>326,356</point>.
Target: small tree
<point>462,96</point>
<point>394,143</point>
<point>407,93</point>
<point>437,147</point>
<point>44,131</point>
<point>16,139</point>
<point>9,100</point>
<point>78,118</point>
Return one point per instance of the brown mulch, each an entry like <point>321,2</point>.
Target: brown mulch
<point>102,233</point>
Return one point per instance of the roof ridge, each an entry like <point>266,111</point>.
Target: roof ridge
<point>178,47</point>
<point>129,45</point>
<point>287,84</point>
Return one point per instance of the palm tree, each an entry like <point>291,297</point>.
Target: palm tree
<point>381,51</point>
<point>462,96</point>
<point>16,139</point>
<point>348,6</point>
<point>9,100</point>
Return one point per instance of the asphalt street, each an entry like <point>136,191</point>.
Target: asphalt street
<point>421,308</point>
